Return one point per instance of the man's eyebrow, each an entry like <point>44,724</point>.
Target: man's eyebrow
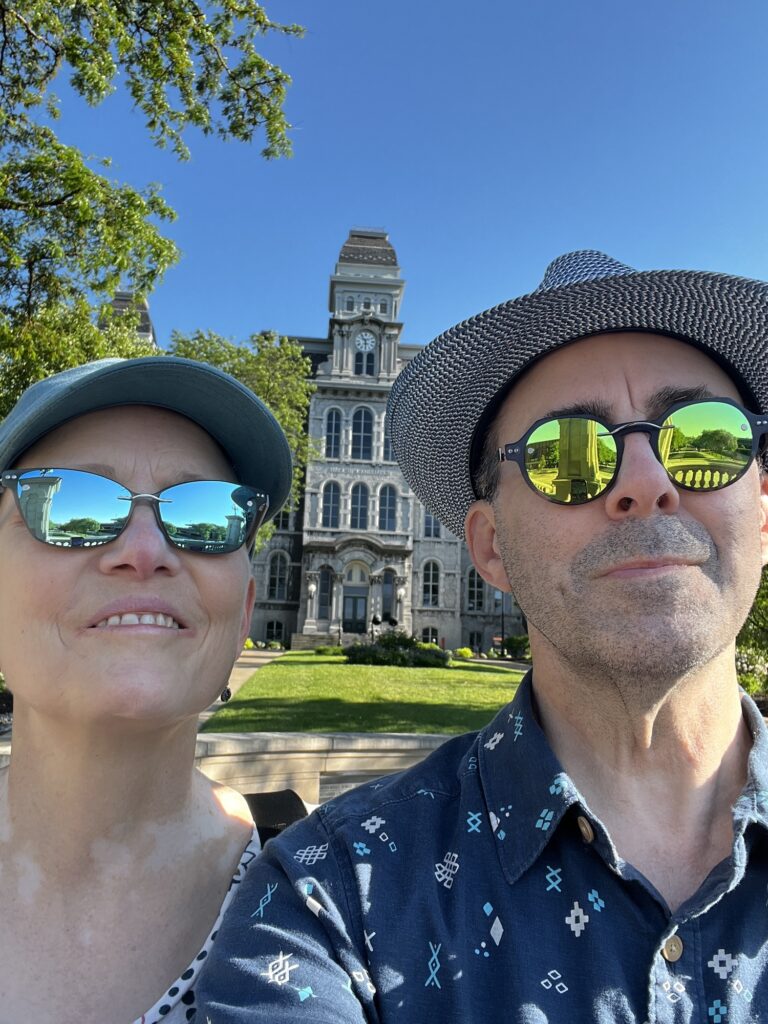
<point>658,403</point>
<point>595,408</point>
<point>661,400</point>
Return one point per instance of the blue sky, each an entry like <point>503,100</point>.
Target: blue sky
<point>485,138</point>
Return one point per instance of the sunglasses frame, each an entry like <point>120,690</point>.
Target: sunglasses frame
<point>10,478</point>
<point>515,451</point>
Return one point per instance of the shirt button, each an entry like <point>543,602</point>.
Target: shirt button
<point>672,949</point>
<point>587,832</point>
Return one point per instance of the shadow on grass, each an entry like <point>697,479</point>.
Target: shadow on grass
<point>285,714</point>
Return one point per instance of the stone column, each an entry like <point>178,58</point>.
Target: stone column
<point>337,603</point>
<point>310,622</point>
<point>402,603</point>
<point>376,596</point>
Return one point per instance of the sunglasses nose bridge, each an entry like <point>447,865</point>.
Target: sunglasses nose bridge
<point>636,427</point>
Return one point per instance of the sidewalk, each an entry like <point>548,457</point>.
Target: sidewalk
<point>244,667</point>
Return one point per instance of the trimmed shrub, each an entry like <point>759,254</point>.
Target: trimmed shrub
<point>465,653</point>
<point>431,658</point>
<point>410,653</point>
<point>397,639</point>
<point>274,645</point>
<point>329,649</point>
<point>249,645</point>
<point>517,646</point>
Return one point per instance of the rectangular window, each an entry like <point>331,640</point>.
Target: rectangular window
<point>283,520</point>
<point>431,525</point>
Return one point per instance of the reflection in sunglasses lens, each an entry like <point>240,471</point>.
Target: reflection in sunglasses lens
<point>706,445</point>
<point>74,508</point>
<point>571,460</point>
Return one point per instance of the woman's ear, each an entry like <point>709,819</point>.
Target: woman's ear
<point>480,533</point>
<point>250,601</point>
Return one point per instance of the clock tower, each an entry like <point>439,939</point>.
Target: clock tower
<point>365,294</point>
<point>360,554</point>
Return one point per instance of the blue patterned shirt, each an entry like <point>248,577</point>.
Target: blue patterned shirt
<point>478,886</point>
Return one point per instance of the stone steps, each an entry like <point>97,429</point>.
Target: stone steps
<point>309,641</point>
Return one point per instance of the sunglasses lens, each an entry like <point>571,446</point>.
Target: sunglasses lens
<point>210,515</point>
<point>570,461</point>
<point>706,445</point>
<point>72,509</point>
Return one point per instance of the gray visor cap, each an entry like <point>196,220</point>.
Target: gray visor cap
<point>245,429</point>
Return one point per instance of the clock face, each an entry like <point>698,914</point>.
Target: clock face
<point>365,341</point>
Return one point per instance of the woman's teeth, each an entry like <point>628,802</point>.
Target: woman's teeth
<point>139,619</point>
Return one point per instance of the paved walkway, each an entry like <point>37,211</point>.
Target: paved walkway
<point>245,666</point>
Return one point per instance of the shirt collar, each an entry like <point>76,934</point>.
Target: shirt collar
<point>526,789</point>
<point>752,805</point>
<point>528,793</point>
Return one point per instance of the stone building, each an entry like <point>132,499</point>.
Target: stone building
<point>361,552</point>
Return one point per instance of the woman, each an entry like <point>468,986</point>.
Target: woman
<point>117,858</point>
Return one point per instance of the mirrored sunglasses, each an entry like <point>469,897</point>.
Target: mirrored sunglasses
<point>72,508</point>
<point>703,446</point>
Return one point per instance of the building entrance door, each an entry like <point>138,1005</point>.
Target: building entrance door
<point>355,619</point>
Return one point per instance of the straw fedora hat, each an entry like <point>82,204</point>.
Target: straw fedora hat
<point>443,400</point>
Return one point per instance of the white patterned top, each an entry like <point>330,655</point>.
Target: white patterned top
<point>177,1004</point>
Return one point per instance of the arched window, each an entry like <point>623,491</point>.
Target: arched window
<point>431,585</point>
<point>333,434</point>
<point>350,304</point>
<point>362,434</point>
<point>275,631</point>
<point>431,525</point>
<point>383,306</point>
<point>358,518</point>
<point>388,508</point>
<point>387,594</point>
<point>278,577</point>
<point>331,502</point>
<point>429,635</point>
<point>364,364</point>
<point>475,591</point>
<point>324,592</point>
<point>388,453</point>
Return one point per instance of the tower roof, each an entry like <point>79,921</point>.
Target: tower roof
<point>366,245</point>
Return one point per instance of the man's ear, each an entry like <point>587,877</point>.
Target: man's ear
<point>482,541</point>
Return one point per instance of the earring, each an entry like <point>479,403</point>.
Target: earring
<point>226,693</point>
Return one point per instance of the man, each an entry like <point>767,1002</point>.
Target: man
<point>599,852</point>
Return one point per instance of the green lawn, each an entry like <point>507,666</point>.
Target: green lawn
<point>306,692</point>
